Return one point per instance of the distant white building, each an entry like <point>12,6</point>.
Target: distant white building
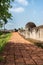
<point>32,31</point>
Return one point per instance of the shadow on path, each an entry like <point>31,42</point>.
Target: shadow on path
<point>22,54</point>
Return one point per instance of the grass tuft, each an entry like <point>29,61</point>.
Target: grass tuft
<point>3,40</point>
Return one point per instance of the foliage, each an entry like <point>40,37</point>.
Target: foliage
<point>1,24</point>
<point>4,10</point>
<point>3,40</point>
<point>4,37</point>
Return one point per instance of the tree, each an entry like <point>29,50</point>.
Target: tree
<point>1,24</point>
<point>4,10</point>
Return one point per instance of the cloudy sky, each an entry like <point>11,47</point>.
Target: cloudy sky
<point>24,11</point>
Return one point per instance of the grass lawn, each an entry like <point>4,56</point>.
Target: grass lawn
<point>4,39</point>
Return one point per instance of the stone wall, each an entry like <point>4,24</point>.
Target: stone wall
<point>34,34</point>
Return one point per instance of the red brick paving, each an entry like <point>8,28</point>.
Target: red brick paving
<point>21,53</point>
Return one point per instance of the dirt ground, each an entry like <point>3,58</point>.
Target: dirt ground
<point>16,38</point>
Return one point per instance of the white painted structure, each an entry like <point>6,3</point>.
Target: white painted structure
<point>36,33</point>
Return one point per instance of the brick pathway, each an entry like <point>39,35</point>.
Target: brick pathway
<point>19,51</point>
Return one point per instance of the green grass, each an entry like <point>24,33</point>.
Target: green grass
<point>4,37</point>
<point>3,40</point>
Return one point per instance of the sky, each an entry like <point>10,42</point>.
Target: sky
<point>24,11</point>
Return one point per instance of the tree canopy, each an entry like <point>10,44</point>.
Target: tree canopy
<point>1,24</point>
<point>4,10</point>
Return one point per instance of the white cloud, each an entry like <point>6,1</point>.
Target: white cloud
<point>18,9</point>
<point>23,2</point>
